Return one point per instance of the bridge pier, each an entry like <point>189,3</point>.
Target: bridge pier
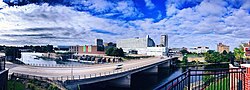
<point>121,82</point>
<point>152,70</point>
<point>164,65</point>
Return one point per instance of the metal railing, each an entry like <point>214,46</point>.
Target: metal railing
<point>208,79</point>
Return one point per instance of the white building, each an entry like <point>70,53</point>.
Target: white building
<point>157,51</point>
<point>138,44</point>
<point>144,46</point>
<point>201,49</point>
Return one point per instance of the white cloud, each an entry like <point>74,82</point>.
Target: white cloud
<point>149,4</point>
<point>202,25</point>
<point>210,8</point>
<point>171,9</point>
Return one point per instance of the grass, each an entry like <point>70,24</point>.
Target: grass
<point>14,85</point>
<point>192,55</point>
<point>24,84</point>
<point>222,84</point>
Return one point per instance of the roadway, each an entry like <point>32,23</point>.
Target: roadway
<point>75,71</point>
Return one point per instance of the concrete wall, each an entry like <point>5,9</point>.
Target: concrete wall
<point>3,79</point>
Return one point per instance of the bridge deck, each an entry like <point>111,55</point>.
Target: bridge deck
<point>88,71</point>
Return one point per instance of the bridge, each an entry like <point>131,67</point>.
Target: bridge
<point>71,77</point>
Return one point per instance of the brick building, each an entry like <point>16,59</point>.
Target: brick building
<point>86,49</point>
<point>246,47</point>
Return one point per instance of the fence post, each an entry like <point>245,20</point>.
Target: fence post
<point>189,79</point>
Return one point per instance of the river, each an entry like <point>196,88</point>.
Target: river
<point>142,81</point>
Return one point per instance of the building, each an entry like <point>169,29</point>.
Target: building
<point>157,51</point>
<point>144,46</point>
<point>200,49</point>
<point>246,47</point>
<point>136,44</point>
<point>85,49</point>
<point>99,42</point>
<point>3,74</point>
<point>164,40</point>
<point>221,47</point>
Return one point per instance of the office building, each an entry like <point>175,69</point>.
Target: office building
<point>136,44</point>
<point>221,47</point>
<point>164,40</point>
<point>144,46</point>
<point>99,42</point>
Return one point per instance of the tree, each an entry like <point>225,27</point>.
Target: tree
<point>208,56</point>
<point>109,51</point>
<point>184,51</point>
<point>239,53</point>
<point>13,53</point>
<point>210,51</point>
<point>120,52</point>
<point>113,51</point>
<point>185,60</point>
<point>224,52</point>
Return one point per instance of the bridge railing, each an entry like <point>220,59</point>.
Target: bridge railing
<point>101,74</point>
<point>210,79</point>
<point>53,65</point>
<point>93,75</point>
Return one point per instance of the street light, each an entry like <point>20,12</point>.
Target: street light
<point>71,71</point>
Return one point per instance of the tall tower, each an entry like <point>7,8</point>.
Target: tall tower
<point>99,42</point>
<point>164,40</point>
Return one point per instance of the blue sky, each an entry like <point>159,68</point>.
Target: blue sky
<point>189,23</point>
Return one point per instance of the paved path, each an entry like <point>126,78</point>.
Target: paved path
<point>85,70</point>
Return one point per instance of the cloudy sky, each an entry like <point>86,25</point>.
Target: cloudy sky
<point>188,23</point>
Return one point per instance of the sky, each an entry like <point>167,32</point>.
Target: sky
<point>188,23</point>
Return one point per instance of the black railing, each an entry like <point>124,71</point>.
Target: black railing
<point>209,79</point>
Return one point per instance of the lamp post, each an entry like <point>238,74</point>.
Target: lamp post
<point>71,71</point>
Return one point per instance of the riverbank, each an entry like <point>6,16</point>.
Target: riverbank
<point>26,84</point>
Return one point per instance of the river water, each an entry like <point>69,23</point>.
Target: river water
<point>32,58</point>
<point>142,81</point>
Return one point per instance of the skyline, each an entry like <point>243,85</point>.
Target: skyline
<point>188,23</point>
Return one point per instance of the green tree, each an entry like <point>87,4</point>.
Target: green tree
<point>184,59</point>
<point>208,56</point>
<point>239,53</point>
<point>184,51</point>
<point>109,51</point>
<point>210,51</point>
<point>224,52</point>
<point>113,51</point>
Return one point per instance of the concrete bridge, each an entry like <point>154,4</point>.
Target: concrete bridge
<point>70,78</point>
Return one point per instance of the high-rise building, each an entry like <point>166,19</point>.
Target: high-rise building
<point>99,42</point>
<point>221,47</point>
<point>164,40</point>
